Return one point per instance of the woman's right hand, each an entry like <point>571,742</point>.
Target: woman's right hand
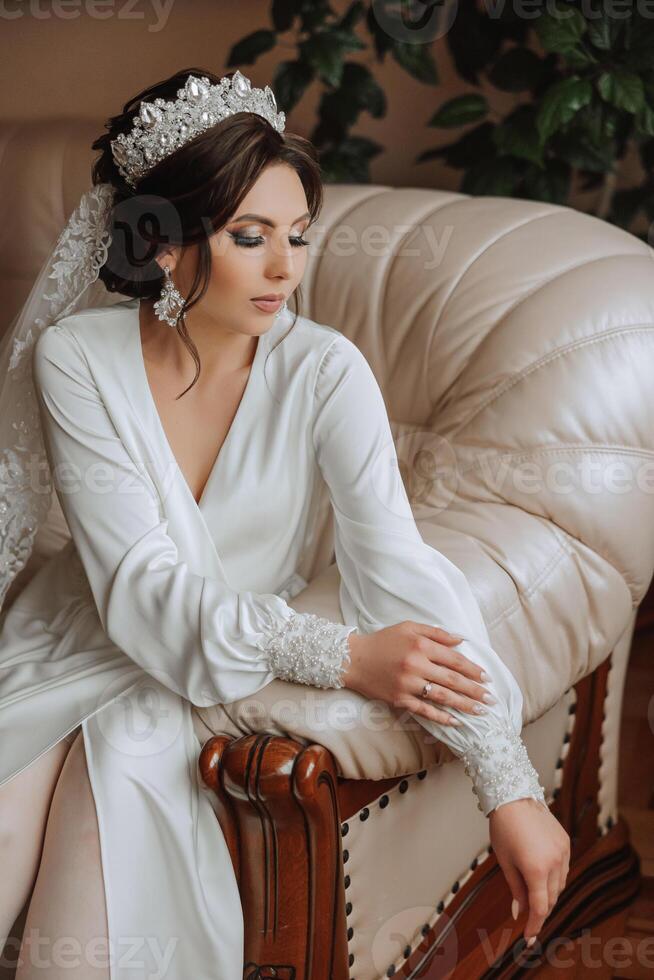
<point>393,664</point>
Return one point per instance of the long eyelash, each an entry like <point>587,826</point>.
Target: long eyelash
<point>246,242</point>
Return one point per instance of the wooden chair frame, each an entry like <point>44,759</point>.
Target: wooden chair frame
<point>283,809</point>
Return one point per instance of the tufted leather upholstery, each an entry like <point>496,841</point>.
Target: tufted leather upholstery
<point>521,360</point>
<point>512,340</point>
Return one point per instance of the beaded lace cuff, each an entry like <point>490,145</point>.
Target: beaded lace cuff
<point>308,649</point>
<point>500,769</point>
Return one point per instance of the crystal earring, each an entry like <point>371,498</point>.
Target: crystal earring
<point>171,302</point>
<point>281,310</point>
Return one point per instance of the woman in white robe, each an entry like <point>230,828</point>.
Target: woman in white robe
<point>160,602</point>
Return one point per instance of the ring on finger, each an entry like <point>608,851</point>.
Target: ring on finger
<point>426,689</point>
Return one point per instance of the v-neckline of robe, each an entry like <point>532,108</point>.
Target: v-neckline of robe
<point>247,391</point>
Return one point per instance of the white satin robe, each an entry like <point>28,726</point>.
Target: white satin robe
<point>158,602</point>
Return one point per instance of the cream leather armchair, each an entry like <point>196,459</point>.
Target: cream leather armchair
<point>512,340</point>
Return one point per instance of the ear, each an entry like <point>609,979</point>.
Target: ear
<point>169,256</point>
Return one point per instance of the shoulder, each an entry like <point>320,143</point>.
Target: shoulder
<point>341,361</point>
<point>347,398</point>
<point>308,336</point>
<point>294,347</point>
<point>55,353</point>
<point>326,349</point>
<point>69,345</point>
<point>86,321</point>
<point>331,363</point>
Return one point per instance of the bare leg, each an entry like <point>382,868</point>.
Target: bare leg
<point>24,806</point>
<point>66,926</point>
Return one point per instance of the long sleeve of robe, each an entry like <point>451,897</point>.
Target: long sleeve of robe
<point>389,574</point>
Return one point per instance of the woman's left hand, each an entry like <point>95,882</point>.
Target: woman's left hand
<point>533,850</point>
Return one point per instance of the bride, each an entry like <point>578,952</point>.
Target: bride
<point>192,426</point>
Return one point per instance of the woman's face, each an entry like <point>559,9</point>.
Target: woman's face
<point>254,256</point>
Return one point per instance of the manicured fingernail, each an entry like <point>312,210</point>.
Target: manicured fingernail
<point>457,639</point>
<point>479,709</point>
<point>484,675</point>
<point>515,908</point>
<point>455,721</point>
<point>488,698</point>
<point>530,942</point>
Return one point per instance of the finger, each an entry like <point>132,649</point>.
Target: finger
<point>444,697</point>
<point>553,887</point>
<point>566,872</point>
<point>464,693</point>
<point>538,904</point>
<point>427,710</point>
<point>565,867</point>
<point>438,653</point>
<point>517,886</point>
<point>438,634</point>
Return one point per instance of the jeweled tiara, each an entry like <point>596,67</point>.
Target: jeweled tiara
<point>162,127</point>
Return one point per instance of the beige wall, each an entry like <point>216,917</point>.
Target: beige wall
<point>60,60</point>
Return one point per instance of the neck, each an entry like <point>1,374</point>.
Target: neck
<point>221,351</point>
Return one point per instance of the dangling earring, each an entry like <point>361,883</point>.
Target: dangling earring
<point>281,310</point>
<point>171,302</point>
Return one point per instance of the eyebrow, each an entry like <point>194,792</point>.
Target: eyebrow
<point>267,221</point>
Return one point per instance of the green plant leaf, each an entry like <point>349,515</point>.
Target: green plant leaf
<point>460,110</point>
<point>472,146</point>
<point>349,161</point>
<point>314,14</point>
<point>604,29</point>
<point>516,70</point>
<point>247,50</point>
<point>578,149</point>
<point>382,40</point>
<point>324,53</point>
<point>340,108</point>
<point>283,13</point>
<point>518,136</point>
<point>645,121</point>
<point>417,60</point>
<point>290,82</point>
<point>352,16</point>
<point>623,89</point>
<point>361,87</point>
<point>598,120</point>
<point>474,40</point>
<point>579,58</point>
<point>560,28</point>
<point>492,177</point>
<point>549,184</point>
<point>561,102</point>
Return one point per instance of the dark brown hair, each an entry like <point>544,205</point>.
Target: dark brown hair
<point>191,194</point>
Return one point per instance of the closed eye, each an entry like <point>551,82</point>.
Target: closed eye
<point>247,241</point>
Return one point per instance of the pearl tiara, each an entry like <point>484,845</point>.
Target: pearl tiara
<point>162,127</point>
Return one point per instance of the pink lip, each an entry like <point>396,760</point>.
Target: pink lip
<point>267,305</point>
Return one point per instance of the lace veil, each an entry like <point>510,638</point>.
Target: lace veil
<point>26,482</point>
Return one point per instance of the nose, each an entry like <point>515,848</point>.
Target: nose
<point>281,260</point>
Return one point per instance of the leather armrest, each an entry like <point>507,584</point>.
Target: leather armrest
<point>368,739</point>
